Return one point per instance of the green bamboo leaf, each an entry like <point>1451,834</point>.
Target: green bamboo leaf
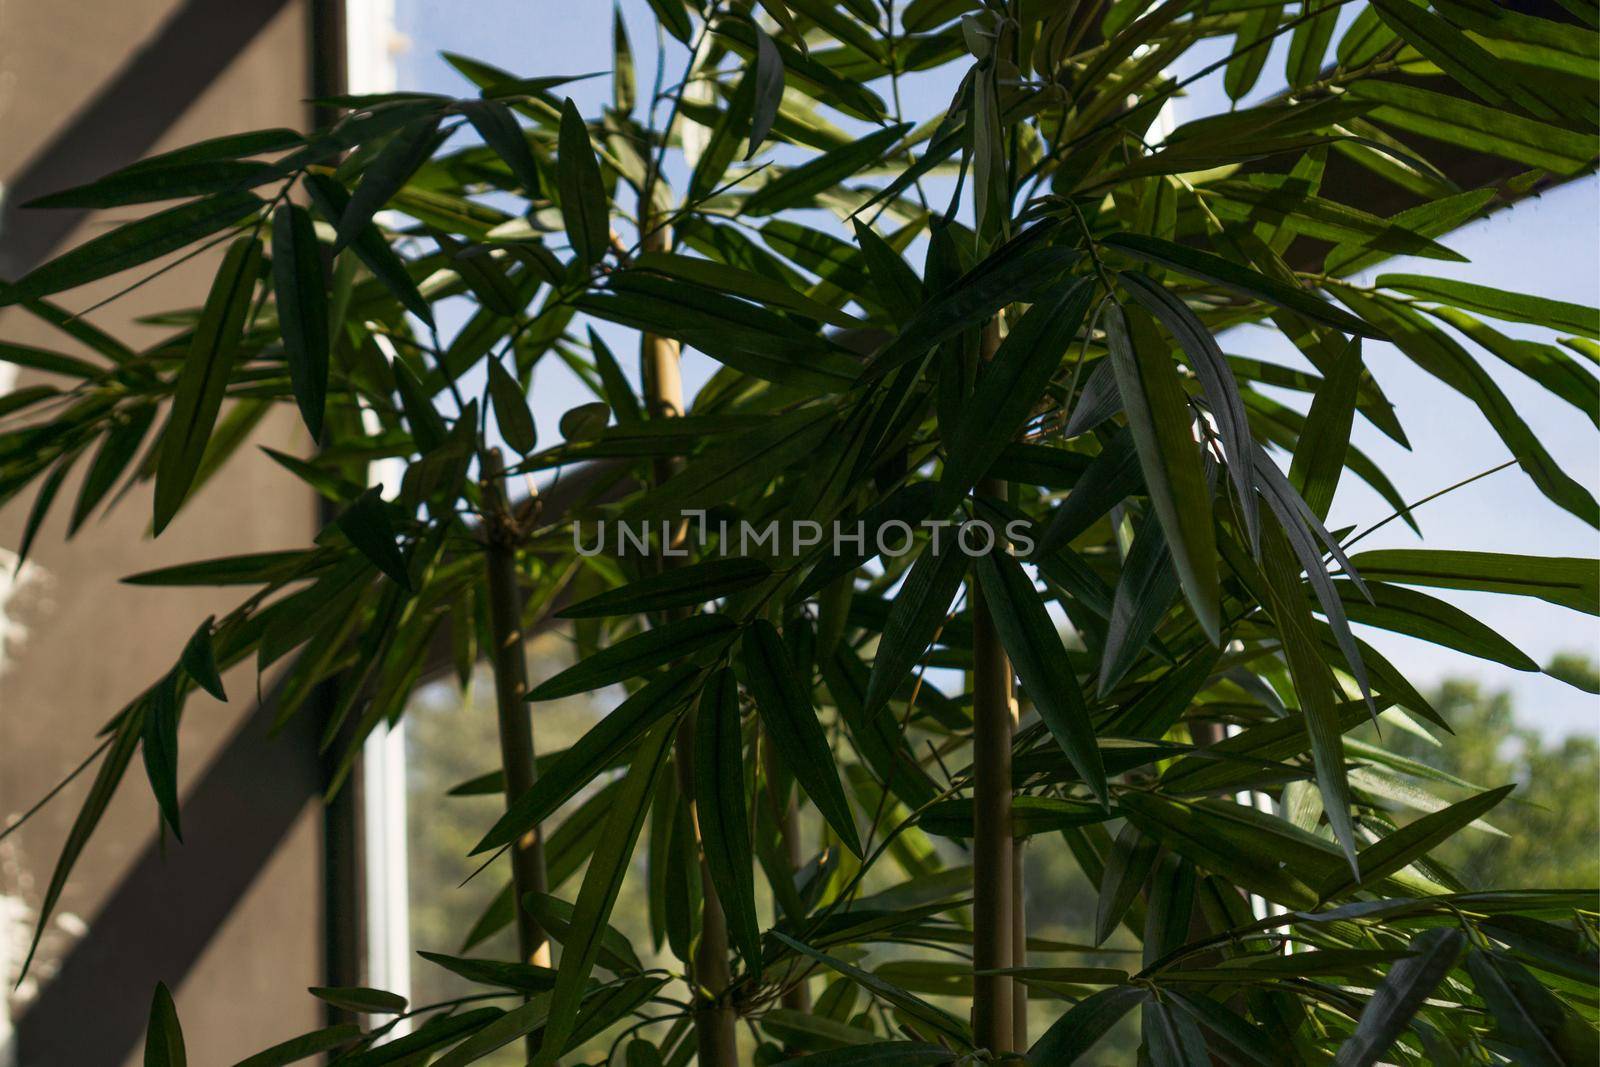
<point>732,128</point>
<point>1045,466</point>
<point>438,1031</point>
<point>427,425</point>
<point>1408,983</point>
<point>1473,68</point>
<point>1441,356</point>
<point>808,74</point>
<point>1320,455</point>
<point>497,83</point>
<point>737,281</point>
<point>1309,42</point>
<point>594,752</point>
<point>1415,840</point>
<point>160,746</point>
<point>1495,131</point>
<point>1173,1039</point>
<point>954,818</point>
<point>206,371</point>
<point>721,811</point>
<point>898,288</point>
<point>722,472</point>
<point>989,174</point>
<point>635,655</point>
<point>1548,365</point>
<point>1313,684</point>
<point>618,393</point>
<point>199,661</point>
<point>1235,852</point>
<point>1216,381</point>
<point>584,422</point>
<point>302,310</point>
<point>1367,36</point>
<point>1111,478</point>
<point>803,183</point>
<point>1284,203</point>
<point>500,131</point>
<point>41,504</point>
<point>601,882</point>
<point>747,338</point>
<point>17,399</point>
<point>673,18</point>
<point>623,83</point>
<point>1285,427</point>
<point>880,1054</point>
<point>916,615</point>
<point>1024,266</point>
<point>125,739</point>
<point>147,182</point>
<point>940,1022</point>
<point>369,245</point>
<point>211,166</point>
<point>1567,581</point>
<point>1544,1031</point>
<point>1128,867</point>
<point>1159,418</point>
<point>697,583</point>
<point>511,411</point>
<point>484,276</point>
<point>600,1008</point>
<point>839,264</point>
<point>584,209</point>
<point>163,1040</point>
<point>1076,1032</point>
<point>360,999</point>
<point>1498,303</point>
<point>304,1047</point>
<point>555,915</point>
<point>1309,539</point>
<point>1244,66</point>
<point>799,1030</point>
<point>1406,611</point>
<point>1430,219</point>
<point>134,243</point>
<point>116,451</point>
<point>40,359</point>
<point>790,720</point>
<point>250,569</point>
<point>366,524</point>
<point>767,75</point>
<point>523,977</point>
<point>1222,764</point>
<point>1145,591</point>
<point>1009,387</point>
<point>387,173</point>
<point>1542,43</point>
<point>1030,639</point>
<point>908,504</point>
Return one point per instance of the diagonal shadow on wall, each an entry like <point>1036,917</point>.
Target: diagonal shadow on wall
<point>125,119</point>
<point>174,899</point>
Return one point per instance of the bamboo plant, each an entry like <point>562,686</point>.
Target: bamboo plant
<point>1094,594</point>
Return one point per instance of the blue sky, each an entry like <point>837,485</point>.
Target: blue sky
<point>1547,247</point>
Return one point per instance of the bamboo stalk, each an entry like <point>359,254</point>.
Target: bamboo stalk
<point>1019,951</point>
<point>714,1023</point>
<point>510,663</point>
<point>714,1020</point>
<point>993,723</point>
<point>798,996</point>
<point>1019,924</point>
